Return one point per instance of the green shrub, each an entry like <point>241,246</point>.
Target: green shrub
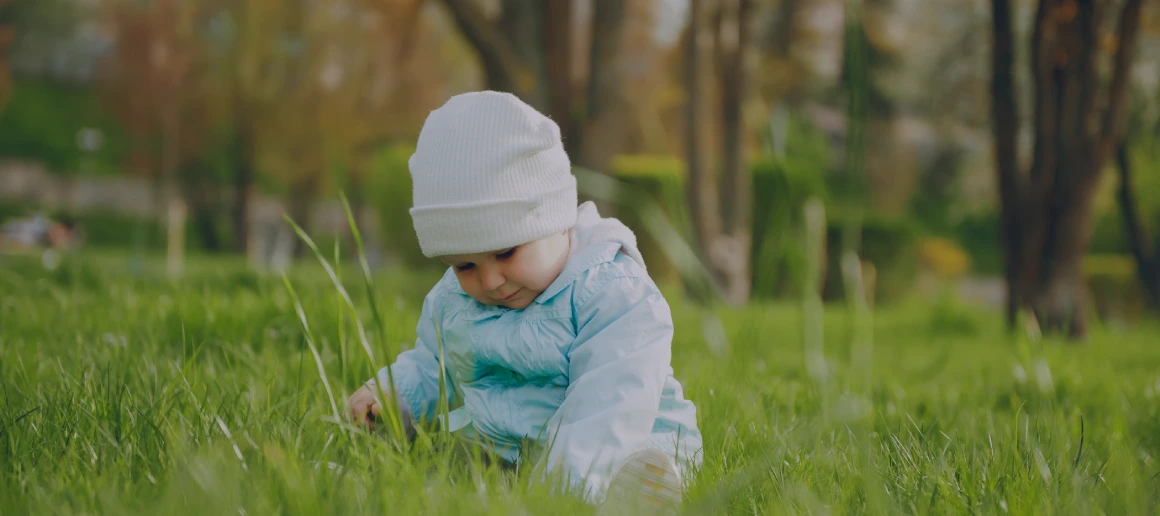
<point>980,234</point>
<point>1114,284</point>
<point>785,177</point>
<point>889,243</point>
<point>949,316</point>
<point>1108,235</point>
<point>943,258</point>
<point>390,192</point>
<point>662,177</point>
<point>780,190</point>
<point>42,118</point>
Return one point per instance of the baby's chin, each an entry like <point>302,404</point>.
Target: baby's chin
<point>520,303</point>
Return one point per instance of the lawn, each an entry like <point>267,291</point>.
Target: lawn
<point>134,393</point>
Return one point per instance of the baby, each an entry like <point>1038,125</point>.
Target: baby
<point>552,330</point>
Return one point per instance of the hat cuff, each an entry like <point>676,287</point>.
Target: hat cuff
<point>493,226</point>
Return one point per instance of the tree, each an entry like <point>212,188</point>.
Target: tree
<point>1077,125</point>
<point>1139,239</point>
<point>720,216</point>
<point>7,37</point>
<point>312,88</point>
<point>373,72</point>
<point>1143,128</point>
<point>887,177</point>
<point>154,84</point>
<point>526,50</point>
<point>31,26</point>
<point>250,65</point>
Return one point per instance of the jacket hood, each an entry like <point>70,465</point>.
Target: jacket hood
<point>591,228</point>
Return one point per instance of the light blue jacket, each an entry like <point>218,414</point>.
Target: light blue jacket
<point>584,370</point>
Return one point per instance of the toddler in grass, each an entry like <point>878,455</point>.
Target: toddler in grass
<point>552,330</point>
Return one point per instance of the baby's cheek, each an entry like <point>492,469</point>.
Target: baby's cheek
<point>467,282</point>
<point>544,277</point>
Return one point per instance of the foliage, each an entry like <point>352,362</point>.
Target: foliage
<point>1054,197</point>
<point>42,122</point>
<point>41,19</point>
<point>663,177</point>
<point>389,191</point>
<point>131,395</point>
<point>781,186</point>
<point>784,177</point>
<point>1109,235</point>
<point>943,257</point>
<point>1115,288</point>
<point>28,25</point>
<point>780,189</point>
<point>887,242</point>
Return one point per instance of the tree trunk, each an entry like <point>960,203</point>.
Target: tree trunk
<point>207,229</point>
<point>721,224</point>
<point>1058,299</point>
<point>170,155</point>
<point>1047,213</point>
<point>243,188</point>
<point>736,187</point>
<point>784,33</point>
<point>501,62</point>
<point>204,221</point>
<point>523,23</point>
<point>557,56</point>
<point>199,191</point>
<point>7,37</point>
<point>700,187</point>
<point>528,52</point>
<point>1147,263</point>
<point>604,113</point>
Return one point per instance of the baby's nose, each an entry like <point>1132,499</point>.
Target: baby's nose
<point>491,278</point>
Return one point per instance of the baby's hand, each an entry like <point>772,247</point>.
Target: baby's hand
<point>363,408</point>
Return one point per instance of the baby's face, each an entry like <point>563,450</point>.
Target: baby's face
<point>511,277</point>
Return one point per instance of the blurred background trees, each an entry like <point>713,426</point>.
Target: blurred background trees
<point>958,146</point>
<point>1077,123</point>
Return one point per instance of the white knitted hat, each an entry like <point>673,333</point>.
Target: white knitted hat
<point>489,173</point>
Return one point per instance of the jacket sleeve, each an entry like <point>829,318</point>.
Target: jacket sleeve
<point>416,371</point>
<point>617,369</point>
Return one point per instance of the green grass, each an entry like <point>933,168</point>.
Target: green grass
<point>124,393</point>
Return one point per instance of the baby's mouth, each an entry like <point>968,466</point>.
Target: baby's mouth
<point>512,295</point>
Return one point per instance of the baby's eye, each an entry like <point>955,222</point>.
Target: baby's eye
<point>464,267</point>
<point>506,254</point>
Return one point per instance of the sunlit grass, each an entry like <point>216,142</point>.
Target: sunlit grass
<point>140,394</point>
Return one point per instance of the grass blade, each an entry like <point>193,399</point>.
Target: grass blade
<point>313,349</point>
<point>391,409</point>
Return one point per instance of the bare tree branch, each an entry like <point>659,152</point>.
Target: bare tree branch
<point>784,31</point>
<point>1089,17</point>
<point>734,85</point>
<point>500,61</point>
<point>1042,41</point>
<point>603,124</point>
<point>1005,126</point>
<point>411,30</point>
<point>556,32</point>
<point>700,187</point>
<point>1115,118</point>
<point>1147,264</point>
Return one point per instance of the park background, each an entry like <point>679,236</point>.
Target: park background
<point>845,200</point>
